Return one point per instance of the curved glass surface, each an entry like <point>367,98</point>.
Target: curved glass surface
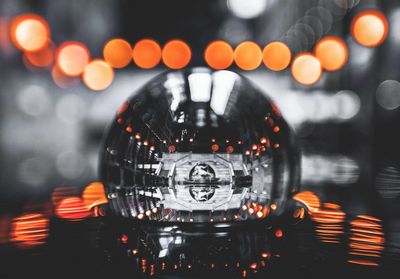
<point>199,146</point>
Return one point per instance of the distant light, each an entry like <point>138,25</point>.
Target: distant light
<point>61,80</point>
<point>30,230</point>
<point>388,94</point>
<point>278,233</point>
<point>306,69</point>
<point>118,53</point>
<point>98,75</point>
<point>230,149</point>
<point>247,8</point>
<point>34,100</point>
<point>72,58</point>
<point>146,54</point>
<point>370,28</point>
<point>30,32</point>
<point>215,147</point>
<point>176,54</point>
<point>347,104</point>
<point>277,56</point>
<point>332,52</point>
<point>72,208</point>
<point>43,58</point>
<point>248,56</point>
<point>219,55</point>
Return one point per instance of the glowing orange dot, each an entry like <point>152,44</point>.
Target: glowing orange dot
<point>278,233</point>
<point>42,58</point>
<point>215,147</point>
<point>98,75</point>
<point>248,56</point>
<point>277,56</point>
<point>332,52</point>
<point>370,28</point>
<point>176,54</point>
<point>306,69</point>
<point>230,149</point>
<point>29,32</point>
<point>72,58</point>
<point>277,129</point>
<point>94,194</point>
<point>171,148</point>
<point>117,52</point>
<point>146,54</point>
<point>219,55</point>
<point>72,208</point>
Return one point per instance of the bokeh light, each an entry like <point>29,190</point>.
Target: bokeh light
<point>370,28</point>
<point>277,56</point>
<point>72,58</point>
<point>61,80</point>
<point>146,54</point>
<point>306,69</point>
<point>43,58</point>
<point>248,56</point>
<point>117,52</point>
<point>98,75</point>
<point>247,9</point>
<point>219,55</point>
<point>388,94</point>
<point>94,194</point>
<point>29,32</point>
<point>332,52</point>
<point>72,208</point>
<point>30,230</point>
<point>176,54</point>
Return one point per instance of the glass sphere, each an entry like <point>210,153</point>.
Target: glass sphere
<point>199,146</point>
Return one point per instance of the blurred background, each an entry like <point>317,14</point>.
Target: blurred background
<point>341,100</point>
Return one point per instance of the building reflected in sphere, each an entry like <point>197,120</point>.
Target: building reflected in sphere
<point>199,146</point>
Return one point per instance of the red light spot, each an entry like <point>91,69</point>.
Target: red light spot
<point>230,149</point>
<point>129,129</point>
<point>124,239</point>
<point>254,147</point>
<point>276,129</point>
<point>265,255</point>
<point>278,233</point>
<point>146,54</point>
<point>215,147</point>
<point>253,266</point>
<point>171,148</point>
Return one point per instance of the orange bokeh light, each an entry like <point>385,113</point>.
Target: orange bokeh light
<point>248,56</point>
<point>72,208</point>
<point>72,58</point>
<point>117,52</point>
<point>332,52</point>
<point>30,230</point>
<point>370,28</point>
<point>219,55</point>
<point>29,32</point>
<point>277,56</point>
<point>43,58</point>
<point>306,69</point>
<point>98,75</point>
<point>176,54</point>
<point>94,194</point>
<point>146,54</point>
